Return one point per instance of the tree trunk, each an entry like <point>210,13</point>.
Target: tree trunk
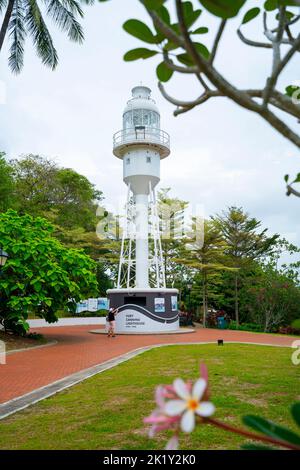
<point>236,300</point>
<point>6,21</point>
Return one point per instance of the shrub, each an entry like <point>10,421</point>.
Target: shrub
<point>41,275</point>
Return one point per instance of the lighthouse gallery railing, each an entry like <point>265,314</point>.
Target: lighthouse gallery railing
<point>140,134</point>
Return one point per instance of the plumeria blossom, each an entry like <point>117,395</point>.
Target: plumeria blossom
<point>179,404</point>
<point>189,404</point>
<point>177,407</point>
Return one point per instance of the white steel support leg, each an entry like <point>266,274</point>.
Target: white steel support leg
<point>142,243</point>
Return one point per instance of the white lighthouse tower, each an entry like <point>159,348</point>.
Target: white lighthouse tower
<point>145,303</point>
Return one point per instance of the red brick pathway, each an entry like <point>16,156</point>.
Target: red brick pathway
<point>77,349</point>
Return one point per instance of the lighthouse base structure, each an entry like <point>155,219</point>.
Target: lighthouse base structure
<point>145,310</point>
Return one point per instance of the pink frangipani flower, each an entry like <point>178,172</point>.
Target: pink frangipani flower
<point>189,404</point>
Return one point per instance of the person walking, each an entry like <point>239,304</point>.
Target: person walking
<point>111,317</point>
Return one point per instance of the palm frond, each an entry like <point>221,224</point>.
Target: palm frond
<point>17,35</point>
<point>3,5</point>
<point>63,13</point>
<point>88,2</point>
<point>37,28</point>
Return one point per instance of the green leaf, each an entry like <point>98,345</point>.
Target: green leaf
<point>256,447</point>
<point>295,410</point>
<point>187,60</point>
<point>139,53</point>
<point>223,8</point>
<point>170,46</point>
<point>297,179</point>
<point>190,15</point>
<point>139,30</point>
<point>270,5</point>
<point>165,16</point>
<point>163,72</point>
<point>153,4</point>
<point>286,178</point>
<point>291,89</point>
<point>271,429</point>
<point>251,14</point>
<point>201,30</point>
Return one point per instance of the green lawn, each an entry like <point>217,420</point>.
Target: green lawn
<point>106,411</point>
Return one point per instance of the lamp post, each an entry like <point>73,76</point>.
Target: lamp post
<point>3,258</point>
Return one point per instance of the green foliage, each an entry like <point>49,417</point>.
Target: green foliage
<point>62,195</point>
<point>245,326</point>
<point>140,30</point>
<point>295,410</point>
<point>270,299</point>
<point>28,19</point>
<point>41,275</point>
<point>189,14</point>
<point>163,72</point>
<point>7,186</point>
<point>223,8</point>
<point>250,15</point>
<point>139,53</point>
<point>187,60</point>
<point>201,30</point>
<point>271,5</point>
<point>273,430</point>
<point>244,244</point>
<point>292,89</point>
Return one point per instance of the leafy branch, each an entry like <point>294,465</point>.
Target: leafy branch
<point>182,54</point>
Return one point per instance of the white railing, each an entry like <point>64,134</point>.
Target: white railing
<point>141,134</point>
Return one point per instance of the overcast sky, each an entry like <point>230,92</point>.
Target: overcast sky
<point>221,155</point>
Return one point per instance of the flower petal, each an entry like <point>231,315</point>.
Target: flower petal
<point>174,407</point>
<point>199,388</point>
<point>205,409</point>
<point>159,396</point>
<point>181,389</point>
<point>172,443</point>
<point>188,421</point>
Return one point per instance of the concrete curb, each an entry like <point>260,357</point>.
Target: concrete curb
<point>20,403</point>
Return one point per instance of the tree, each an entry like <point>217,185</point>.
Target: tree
<point>207,256</point>
<point>174,41</point>
<point>62,195</point>
<point>6,184</point>
<point>171,214</point>
<point>244,243</point>
<point>271,298</point>
<point>22,17</point>
<point>40,275</point>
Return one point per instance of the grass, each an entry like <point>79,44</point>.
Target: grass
<point>106,411</point>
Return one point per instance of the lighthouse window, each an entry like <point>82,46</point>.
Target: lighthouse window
<point>137,117</point>
<point>127,161</point>
<point>127,120</point>
<point>141,117</point>
<point>148,160</point>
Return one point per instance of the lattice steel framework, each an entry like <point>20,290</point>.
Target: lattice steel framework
<point>126,273</point>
